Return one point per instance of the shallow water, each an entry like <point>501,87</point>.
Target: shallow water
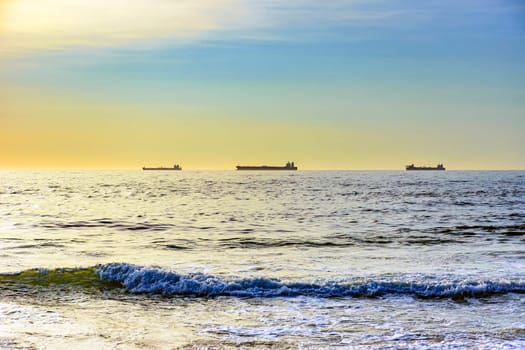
<point>224,259</point>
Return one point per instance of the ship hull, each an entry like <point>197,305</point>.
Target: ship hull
<point>265,167</point>
<point>144,168</point>
<point>413,167</point>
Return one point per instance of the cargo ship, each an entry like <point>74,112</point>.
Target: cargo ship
<point>288,166</point>
<point>412,167</point>
<point>175,167</point>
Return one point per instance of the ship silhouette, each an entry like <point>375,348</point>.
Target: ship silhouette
<point>175,167</point>
<point>288,166</point>
<point>413,167</point>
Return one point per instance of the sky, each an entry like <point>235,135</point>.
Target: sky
<point>210,84</point>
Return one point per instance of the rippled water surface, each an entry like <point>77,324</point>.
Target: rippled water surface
<point>310,260</point>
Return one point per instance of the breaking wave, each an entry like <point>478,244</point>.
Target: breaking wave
<point>147,280</point>
<point>139,279</point>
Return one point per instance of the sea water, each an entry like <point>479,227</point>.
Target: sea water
<point>262,260</point>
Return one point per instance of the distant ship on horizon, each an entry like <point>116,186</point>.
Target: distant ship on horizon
<point>413,167</point>
<point>288,166</point>
<point>175,167</point>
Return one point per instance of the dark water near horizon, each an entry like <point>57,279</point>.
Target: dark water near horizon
<point>265,260</point>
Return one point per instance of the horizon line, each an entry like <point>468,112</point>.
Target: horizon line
<point>235,170</point>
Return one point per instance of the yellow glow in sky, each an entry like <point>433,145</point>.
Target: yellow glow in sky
<point>64,132</point>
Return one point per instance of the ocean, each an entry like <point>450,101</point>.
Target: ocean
<point>262,260</point>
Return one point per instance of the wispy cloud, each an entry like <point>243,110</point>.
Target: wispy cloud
<point>33,25</point>
<point>29,25</point>
<point>322,12</point>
